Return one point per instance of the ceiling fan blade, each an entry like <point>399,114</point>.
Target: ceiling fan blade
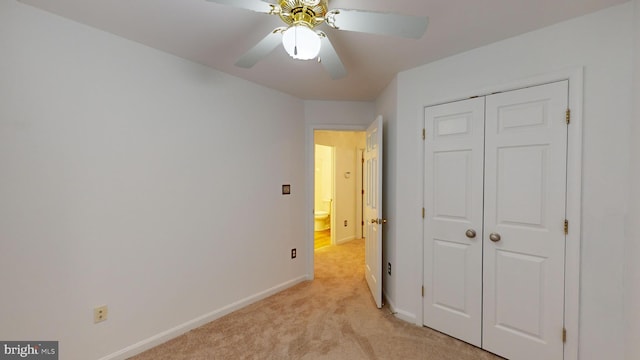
<point>254,5</point>
<point>329,58</point>
<point>261,49</point>
<point>378,23</point>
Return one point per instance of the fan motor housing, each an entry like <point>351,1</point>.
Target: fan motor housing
<point>308,12</point>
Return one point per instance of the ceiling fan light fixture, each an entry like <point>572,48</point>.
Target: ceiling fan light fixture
<point>301,42</point>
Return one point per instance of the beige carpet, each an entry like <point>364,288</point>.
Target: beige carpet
<point>332,317</point>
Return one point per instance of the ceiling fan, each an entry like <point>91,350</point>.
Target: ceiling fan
<point>303,42</point>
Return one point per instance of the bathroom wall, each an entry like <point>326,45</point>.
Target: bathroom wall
<point>348,181</point>
<point>323,186</point>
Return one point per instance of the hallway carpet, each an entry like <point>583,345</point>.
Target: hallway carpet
<point>332,317</point>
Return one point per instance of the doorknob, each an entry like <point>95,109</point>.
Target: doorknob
<point>379,221</point>
<point>470,233</point>
<point>495,237</point>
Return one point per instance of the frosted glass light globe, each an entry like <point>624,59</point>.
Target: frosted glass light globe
<point>301,42</point>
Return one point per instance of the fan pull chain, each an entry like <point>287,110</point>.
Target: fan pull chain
<point>295,41</point>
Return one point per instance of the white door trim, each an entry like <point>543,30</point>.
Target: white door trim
<point>309,183</point>
<point>574,191</point>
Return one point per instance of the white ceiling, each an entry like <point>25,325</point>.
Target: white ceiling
<point>217,35</point>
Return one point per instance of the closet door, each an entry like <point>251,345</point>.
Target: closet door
<point>524,212</point>
<point>453,220</point>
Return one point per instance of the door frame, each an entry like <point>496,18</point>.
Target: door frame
<point>310,185</point>
<point>575,76</point>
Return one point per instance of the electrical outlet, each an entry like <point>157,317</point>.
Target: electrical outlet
<point>389,268</point>
<point>293,253</point>
<point>100,314</point>
<point>345,223</point>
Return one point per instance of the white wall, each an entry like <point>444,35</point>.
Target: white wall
<point>128,179</point>
<point>325,114</point>
<point>348,201</point>
<point>632,269</point>
<point>602,43</point>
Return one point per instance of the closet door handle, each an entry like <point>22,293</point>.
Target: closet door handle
<point>470,233</point>
<point>495,237</point>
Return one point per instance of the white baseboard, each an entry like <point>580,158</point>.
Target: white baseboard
<point>406,316</point>
<point>167,335</point>
<point>399,313</point>
<point>345,240</point>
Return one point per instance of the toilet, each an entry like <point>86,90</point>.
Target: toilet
<point>321,220</point>
<point>321,217</point>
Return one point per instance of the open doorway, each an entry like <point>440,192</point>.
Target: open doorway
<point>338,186</point>
<point>324,181</point>
<point>368,231</point>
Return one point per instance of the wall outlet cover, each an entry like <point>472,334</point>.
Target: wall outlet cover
<point>100,314</point>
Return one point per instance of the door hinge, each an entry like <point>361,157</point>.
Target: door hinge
<point>362,191</point>
<point>566,227</point>
<point>568,116</point>
<point>423,291</point>
<point>363,160</point>
<point>564,335</point>
<point>423,211</point>
<point>424,134</point>
<point>362,222</point>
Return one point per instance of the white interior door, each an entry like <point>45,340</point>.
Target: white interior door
<point>453,176</point>
<point>524,211</point>
<point>373,210</point>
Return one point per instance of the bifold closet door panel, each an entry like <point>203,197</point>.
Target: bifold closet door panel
<point>524,213</point>
<point>453,219</point>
